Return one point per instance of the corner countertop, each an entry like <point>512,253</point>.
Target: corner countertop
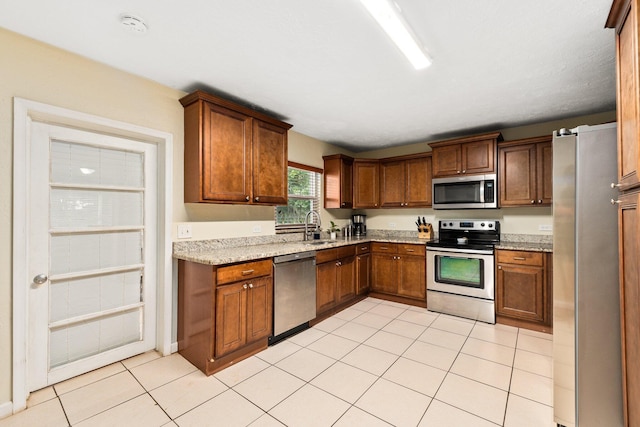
<point>240,250</point>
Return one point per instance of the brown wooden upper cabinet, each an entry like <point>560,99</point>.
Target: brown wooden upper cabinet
<point>232,154</point>
<point>525,172</point>
<point>465,156</point>
<point>366,188</point>
<point>405,181</point>
<point>338,181</point>
<point>624,17</point>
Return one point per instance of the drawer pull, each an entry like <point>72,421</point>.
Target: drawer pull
<point>410,250</point>
<point>519,258</point>
<point>364,248</point>
<point>384,248</point>
<point>250,285</point>
<point>245,286</point>
<point>247,272</point>
<point>499,267</point>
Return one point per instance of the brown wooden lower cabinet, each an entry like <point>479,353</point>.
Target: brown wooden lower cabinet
<point>629,250</point>
<point>363,268</point>
<point>335,277</point>
<point>399,270</point>
<point>523,289</point>
<point>225,313</point>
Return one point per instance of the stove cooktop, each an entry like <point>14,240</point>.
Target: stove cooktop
<point>467,234</point>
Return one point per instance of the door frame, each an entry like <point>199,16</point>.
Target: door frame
<point>25,112</point>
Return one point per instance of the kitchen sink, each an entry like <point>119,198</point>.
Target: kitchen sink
<point>317,242</point>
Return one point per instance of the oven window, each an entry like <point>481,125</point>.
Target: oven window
<point>460,271</point>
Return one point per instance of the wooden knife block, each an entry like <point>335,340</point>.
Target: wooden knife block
<point>425,232</point>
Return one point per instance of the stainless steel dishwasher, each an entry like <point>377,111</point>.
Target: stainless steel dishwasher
<point>294,294</point>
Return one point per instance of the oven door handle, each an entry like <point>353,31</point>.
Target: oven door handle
<point>460,251</point>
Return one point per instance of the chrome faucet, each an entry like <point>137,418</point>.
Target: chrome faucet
<point>306,223</point>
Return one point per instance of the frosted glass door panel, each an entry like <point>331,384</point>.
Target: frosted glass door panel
<point>87,165</point>
<point>72,208</point>
<point>93,295</point>
<point>75,253</point>
<point>78,341</point>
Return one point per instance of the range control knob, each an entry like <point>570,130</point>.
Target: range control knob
<point>482,224</point>
<point>490,225</point>
<point>450,224</point>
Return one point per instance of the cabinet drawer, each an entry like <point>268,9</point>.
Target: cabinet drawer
<point>363,248</point>
<point>406,249</point>
<point>326,255</point>
<point>520,257</point>
<point>346,251</point>
<point>391,248</point>
<point>248,270</point>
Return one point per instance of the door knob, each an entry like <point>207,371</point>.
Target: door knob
<point>40,279</point>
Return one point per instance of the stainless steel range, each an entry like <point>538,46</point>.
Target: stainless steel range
<point>460,269</point>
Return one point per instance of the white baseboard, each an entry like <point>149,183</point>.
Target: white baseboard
<point>6,409</point>
<point>174,347</point>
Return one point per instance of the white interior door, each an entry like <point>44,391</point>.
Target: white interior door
<point>92,252</point>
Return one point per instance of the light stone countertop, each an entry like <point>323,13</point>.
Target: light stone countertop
<point>203,253</point>
<point>230,251</point>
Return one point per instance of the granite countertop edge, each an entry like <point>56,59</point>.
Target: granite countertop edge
<point>243,253</point>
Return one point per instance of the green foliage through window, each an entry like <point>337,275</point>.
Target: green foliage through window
<point>304,195</point>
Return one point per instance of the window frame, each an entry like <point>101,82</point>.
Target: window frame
<point>316,200</point>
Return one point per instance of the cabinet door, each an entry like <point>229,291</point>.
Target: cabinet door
<point>384,273</point>
<point>259,308</point>
<point>365,184</point>
<point>628,101</point>
<point>269,164</point>
<point>363,273</point>
<point>226,155</point>
<point>478,157</point>
<point>520,292</point>
<point>517,175</point>
<point>338,182</point>
<point>418,182</point>
<point>447,160</point>
<point>231,318</point>
<point>392,184</point>
<point>544,175</point>
<point>412,281</point>
<point>325,286</point>
<point>629,250</point>
<point>346,284</point>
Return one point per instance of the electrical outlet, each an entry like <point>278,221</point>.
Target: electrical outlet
<point>184,231</point>
<point>392,225</point>
<point>257,229</point>
<point>545,227</point>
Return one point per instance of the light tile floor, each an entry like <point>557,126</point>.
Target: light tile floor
<point>377,363</point>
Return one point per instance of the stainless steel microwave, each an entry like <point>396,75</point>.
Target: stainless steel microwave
<point>465,192</point>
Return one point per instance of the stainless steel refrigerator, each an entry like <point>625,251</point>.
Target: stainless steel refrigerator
<point>587,377</point>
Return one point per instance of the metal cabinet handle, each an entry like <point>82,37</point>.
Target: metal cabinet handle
<point>375,204</point>
<point>40,279</point>
<point>250,285</point>
<point>363,248</point>
<point>245,286</point>
<point>257,199</point>
<point>540,201</point>
<point>519,258</point>
<point>247,272</point>
<point>247,198</point>
<point>614,185</point>
<point>464,171</point>
<point>457,171</point>
<point>499,267</point>
<point>615,202</point>
<point>410,250</point>
<point>533,202</point>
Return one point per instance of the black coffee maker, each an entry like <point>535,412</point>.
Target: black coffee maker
<point>359,225</point>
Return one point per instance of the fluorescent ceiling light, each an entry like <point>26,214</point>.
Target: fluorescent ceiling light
<point>387,14</point>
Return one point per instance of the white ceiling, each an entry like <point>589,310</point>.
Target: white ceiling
<point>327,68</point>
